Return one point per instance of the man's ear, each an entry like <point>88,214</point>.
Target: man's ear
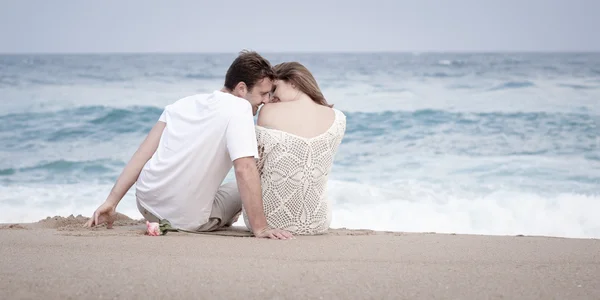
<point>241,89</point>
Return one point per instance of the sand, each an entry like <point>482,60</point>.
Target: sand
<point>56,258</point>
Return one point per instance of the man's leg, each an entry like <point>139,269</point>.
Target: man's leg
<point>147,215</point>
<point>226,207</point>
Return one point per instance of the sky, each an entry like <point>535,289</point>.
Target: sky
<point>75,26</point>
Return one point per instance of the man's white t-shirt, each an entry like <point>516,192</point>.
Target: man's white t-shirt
<point>204,134</point>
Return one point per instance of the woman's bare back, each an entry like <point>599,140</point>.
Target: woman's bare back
<point>302,118</point>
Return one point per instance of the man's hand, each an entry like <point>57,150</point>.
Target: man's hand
<point>106,213</point>
<point>277,234</point>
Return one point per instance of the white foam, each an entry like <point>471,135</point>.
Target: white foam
<point>25,203</point>
<point>410,208</point>
<point>417,209</point>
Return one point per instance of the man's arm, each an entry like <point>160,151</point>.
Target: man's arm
<point>248,181</point>
<point>129,175</point>
<point>133,169</point>
<point>243,149</point>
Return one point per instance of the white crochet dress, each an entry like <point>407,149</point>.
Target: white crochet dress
<point>294,172</point>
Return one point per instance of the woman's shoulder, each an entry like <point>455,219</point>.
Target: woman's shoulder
<point>340,117</point>
<point>269,109</point>
<point>268,113</point>
<point>339,113</point>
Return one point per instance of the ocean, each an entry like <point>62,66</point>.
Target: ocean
<point>476,143</point>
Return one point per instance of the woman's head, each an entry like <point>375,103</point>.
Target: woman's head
<point>292,78</point>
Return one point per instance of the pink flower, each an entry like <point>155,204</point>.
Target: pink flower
<point>152,228</point>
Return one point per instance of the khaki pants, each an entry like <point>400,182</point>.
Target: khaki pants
<point>226,208</point>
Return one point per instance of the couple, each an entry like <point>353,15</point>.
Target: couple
<point>281,164</point>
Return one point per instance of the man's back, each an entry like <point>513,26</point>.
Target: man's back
<point>203,135</point>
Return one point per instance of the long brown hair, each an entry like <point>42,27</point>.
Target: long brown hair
<point>300,76</point>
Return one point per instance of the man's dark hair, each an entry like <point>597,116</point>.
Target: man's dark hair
<point>249,67</point>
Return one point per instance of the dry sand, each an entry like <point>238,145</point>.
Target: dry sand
<point>58,259</point>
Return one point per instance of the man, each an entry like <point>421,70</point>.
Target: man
<point>180,166</point>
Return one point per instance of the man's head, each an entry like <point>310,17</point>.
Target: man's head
<point>250,76</point>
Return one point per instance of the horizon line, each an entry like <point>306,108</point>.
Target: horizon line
<point>315,52</point>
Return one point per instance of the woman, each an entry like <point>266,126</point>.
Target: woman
<point>298,136</point>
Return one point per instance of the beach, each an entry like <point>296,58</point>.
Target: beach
<point>56,258</point>
<point>470,143</point>
<point>463,161</point>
